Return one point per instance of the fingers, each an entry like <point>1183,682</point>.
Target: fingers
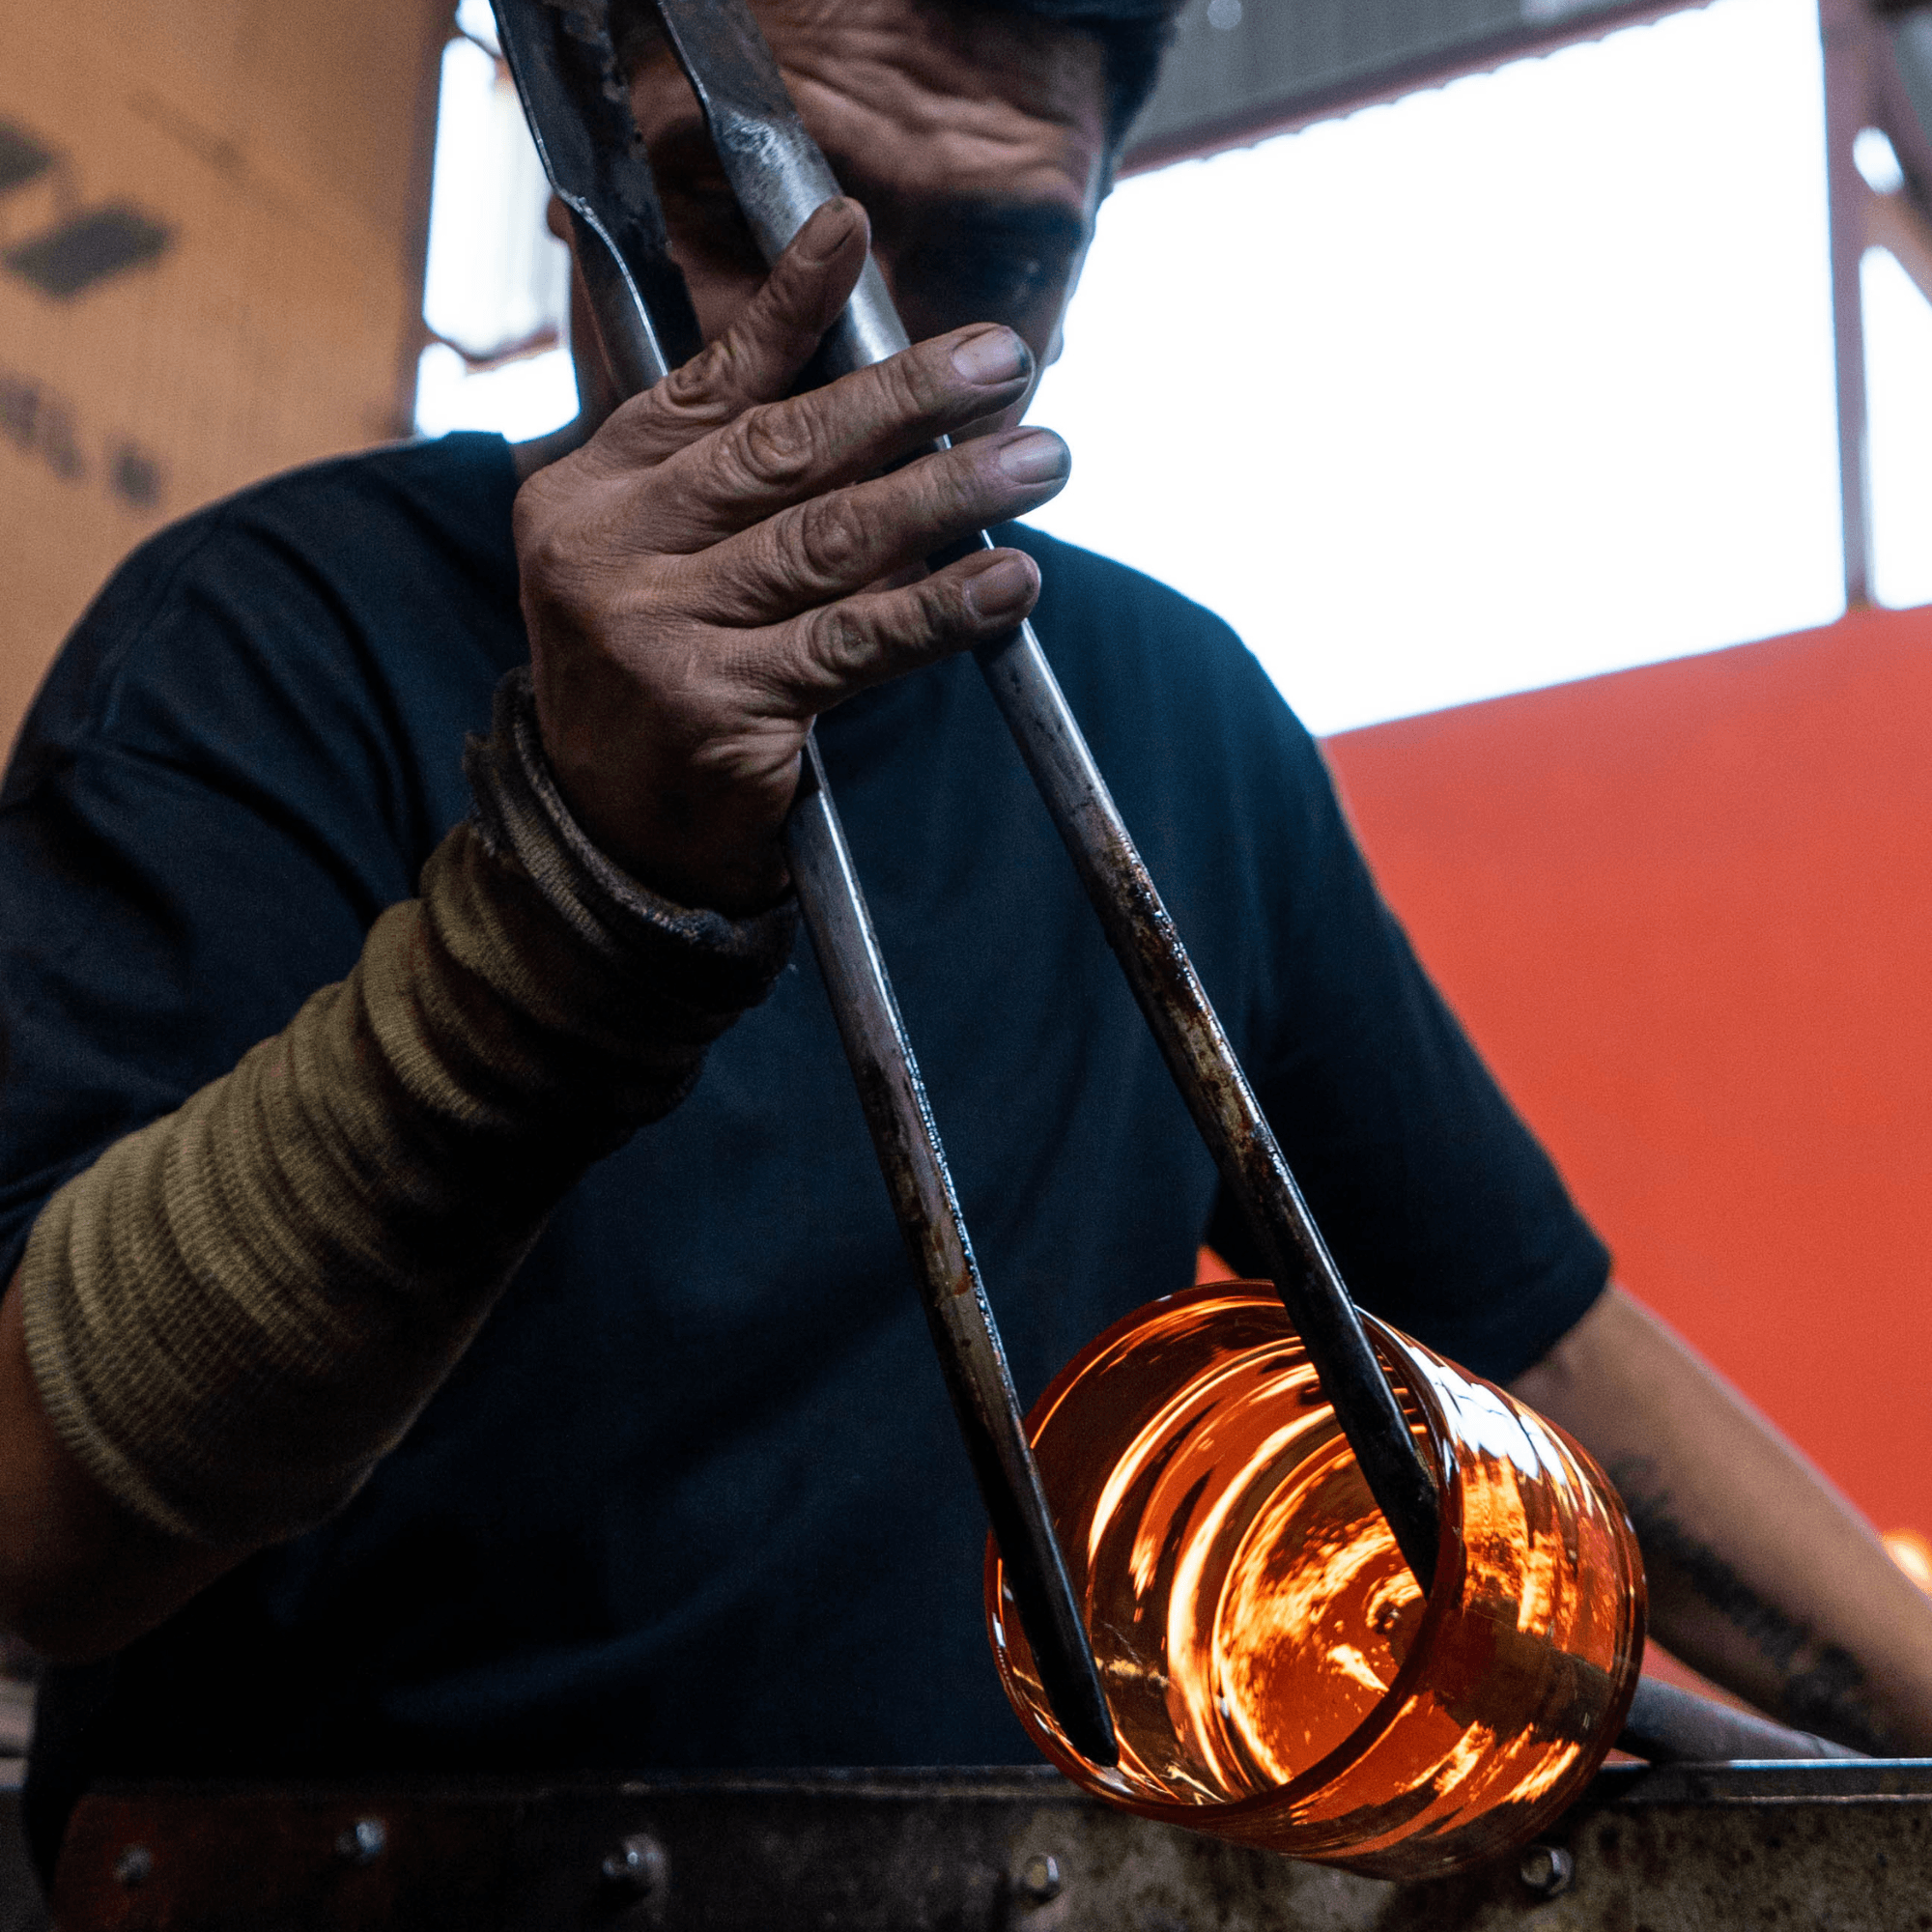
<point>775,457</point>
<point>718,446</point>
<point>759,357</point>
<point>834,546</point>
<point>828,655</point>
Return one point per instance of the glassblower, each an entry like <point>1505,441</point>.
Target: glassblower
<point>1404,1621</point>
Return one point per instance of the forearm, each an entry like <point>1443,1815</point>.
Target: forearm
<point>1761,1576</point>
<point>79,1574</point>
<point>222,1325</point>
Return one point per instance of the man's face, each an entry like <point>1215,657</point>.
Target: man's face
<point>977,145</point>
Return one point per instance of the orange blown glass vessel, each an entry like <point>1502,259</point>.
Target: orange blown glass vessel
<point>1275,1675</point>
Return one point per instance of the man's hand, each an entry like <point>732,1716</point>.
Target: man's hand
<point>722,562</point>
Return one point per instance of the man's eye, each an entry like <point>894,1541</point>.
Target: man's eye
<point>712,220</point>
<point>1006,280</point>
<point>968,283</point>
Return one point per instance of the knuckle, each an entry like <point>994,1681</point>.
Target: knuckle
<point>547,554</point>
<point>827,541</point>
<point>689,403</point>
<point>568,553</point>
<point>911,386</point>
<point>943,611</point>
<point>869,638</point>
<point>782,312</point>
<point>949,497</point>
<point>693,389</point>
<point>776,447</point>
<point>960,483</point>
<point>838,639</point>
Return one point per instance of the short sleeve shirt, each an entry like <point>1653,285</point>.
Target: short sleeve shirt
<point>694,1496</point>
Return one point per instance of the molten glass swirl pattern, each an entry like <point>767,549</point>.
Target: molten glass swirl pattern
<point>1274,1673</point>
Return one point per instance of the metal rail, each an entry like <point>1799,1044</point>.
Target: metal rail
<point>1844,1846</point>
<point>1671,1727</point>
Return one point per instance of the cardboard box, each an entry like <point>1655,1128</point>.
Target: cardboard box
<point>211,240</point>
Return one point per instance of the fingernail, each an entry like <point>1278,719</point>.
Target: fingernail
<point>1038,456</point>
<point>1005,588</point>
<point>827,231</point>
<point>996,355</point>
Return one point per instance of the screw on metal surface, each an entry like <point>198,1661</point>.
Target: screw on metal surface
<point>363,1842</point>
<point>133,1866</point>
<point>1039,1878</point>
<point>1546,1870</point>
<point>638,1866</point>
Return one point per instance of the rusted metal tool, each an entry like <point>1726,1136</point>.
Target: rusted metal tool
<point>780,177</point>
<point>565,72</point>
<point>1671,1727</point>
<point>560,55</point>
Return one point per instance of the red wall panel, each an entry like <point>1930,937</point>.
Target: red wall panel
<point>1686,911</point>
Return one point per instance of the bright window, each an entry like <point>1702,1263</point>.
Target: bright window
<point>1512,381</point>
<point>1507,382</point>
<point>1898,374</point>
<point>497,283</point>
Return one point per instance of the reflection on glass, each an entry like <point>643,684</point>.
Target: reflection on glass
<point>1274,1673</point>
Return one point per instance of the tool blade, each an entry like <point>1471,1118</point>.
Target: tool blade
<point>565,66</point>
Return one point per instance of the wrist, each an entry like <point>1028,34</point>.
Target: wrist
<point>707,847</point>
<point>637,898</point>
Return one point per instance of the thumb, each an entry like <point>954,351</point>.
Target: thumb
<point>760,355</point>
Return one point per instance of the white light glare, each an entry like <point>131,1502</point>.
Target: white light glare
<point>1876,159</point>
<point>1508,382</point>
<point>495,277</point>
<point>1898,374</point>
<point>522,399</point>
<point>475,18</point>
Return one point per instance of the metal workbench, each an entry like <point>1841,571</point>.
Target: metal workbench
<point>1846,1846</point>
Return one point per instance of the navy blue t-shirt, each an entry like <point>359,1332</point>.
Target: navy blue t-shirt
<point>694,1497</point>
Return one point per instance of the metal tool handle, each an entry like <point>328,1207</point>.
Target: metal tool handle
<point>963,1333</point>
<point>634,351</point>
<point>1671,1727</point>
<point>1228,1116</point>
<point>779,177</point>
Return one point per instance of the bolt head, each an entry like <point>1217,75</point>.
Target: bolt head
<point>133,1867</point>
<point>1546,1870</point>
<point>363,1842</point>
<point>1040,1877</point>
<point>638,1866</point>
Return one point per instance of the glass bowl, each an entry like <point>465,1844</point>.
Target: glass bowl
<point>1275,1675</point>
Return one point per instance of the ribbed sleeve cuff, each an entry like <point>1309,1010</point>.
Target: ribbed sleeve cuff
<point>702,958</point>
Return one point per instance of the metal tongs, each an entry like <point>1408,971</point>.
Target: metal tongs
<point>560,55</point>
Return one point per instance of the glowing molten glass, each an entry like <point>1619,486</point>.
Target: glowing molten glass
<point>1274,1673</point>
